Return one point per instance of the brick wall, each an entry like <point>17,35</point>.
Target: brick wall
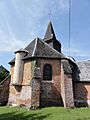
<point>21,95</point>
<point>4,91</point>
<point>46,93</point>
<point>12,72</point>
<point>82,94</point>
<point>67,89</point>
<point>27,73</point>
<point>51,90</point>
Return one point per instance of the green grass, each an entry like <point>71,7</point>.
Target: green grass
<point>49,113</point>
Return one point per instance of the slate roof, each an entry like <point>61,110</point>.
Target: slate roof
<point>49,32</point>
<point>3,68</point>
<point>83,71</point>
<point>7,78</point>
<point>12,61</point>
<point>42,49</point>
<point>30,47</point>
<point>39,48</point>
<point>66,67</point>
<point>6,73</point>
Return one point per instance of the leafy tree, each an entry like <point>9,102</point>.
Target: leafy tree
<point>2,75</point>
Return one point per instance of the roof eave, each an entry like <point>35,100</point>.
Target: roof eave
<point>42,57</point>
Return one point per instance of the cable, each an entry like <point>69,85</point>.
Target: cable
<point>69,27</point>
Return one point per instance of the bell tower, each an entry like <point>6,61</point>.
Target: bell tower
<point>50,38</point>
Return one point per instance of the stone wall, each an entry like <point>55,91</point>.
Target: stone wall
<point>82,93</point>
<point>35,94</point>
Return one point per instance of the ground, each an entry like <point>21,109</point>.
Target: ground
<point>49,113</point>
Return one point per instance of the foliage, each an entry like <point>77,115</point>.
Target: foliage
<point>2,75</point>
<point>49,113</point>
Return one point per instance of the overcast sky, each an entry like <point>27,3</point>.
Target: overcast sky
<point>23,20</point>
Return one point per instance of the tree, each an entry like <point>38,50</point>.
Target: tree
<point>2,75</point>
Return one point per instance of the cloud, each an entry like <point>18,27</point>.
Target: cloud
<point>16,8</point>
<point>33,14</point>
<point>8,42</point>
<point>36,12</point>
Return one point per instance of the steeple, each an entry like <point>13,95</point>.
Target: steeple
<point>50,38</point>
<point>49,32</point>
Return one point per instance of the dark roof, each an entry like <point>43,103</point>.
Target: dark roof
<point>83,71</point>
<point>49,32</point>
<point>30,47</point>
<point>22,50</point>
<point>66,67</point>
<point>7,78</point>
<point>12,61</point>
<point>3,68</point>
<point>39,48</point>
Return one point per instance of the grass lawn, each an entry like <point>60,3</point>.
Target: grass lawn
<point>49,113</point>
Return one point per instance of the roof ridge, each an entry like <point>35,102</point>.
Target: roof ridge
<point>33,53</point>
<point>2,67</point>
<point>5,79</point>
<point>83,61</point>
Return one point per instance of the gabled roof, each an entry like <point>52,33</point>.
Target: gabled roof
<point>7,78</point>
<point>3,68</point>
<point>83,71</point>
<point>49,32</point>
<point>39,48</point>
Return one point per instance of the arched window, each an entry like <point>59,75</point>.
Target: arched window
<point>47,72</point>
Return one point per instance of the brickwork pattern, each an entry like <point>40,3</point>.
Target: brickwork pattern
<point>67,89</point>
<point>51,90</point>
<point>4,92</point>
<point>21,95</point>
<point>82,94</point>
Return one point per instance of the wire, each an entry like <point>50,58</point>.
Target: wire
<point>69,27</point>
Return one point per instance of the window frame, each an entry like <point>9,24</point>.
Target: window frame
<point>47,76</point>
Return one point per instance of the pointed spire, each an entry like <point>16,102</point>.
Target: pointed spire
<point>49,32</point>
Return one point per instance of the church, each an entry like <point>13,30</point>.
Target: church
<point>41,75</point>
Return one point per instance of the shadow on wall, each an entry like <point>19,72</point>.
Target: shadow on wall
<point>50,96</point>
<point>18,88</point>
<point>22,116</point>
<point>80,92</point>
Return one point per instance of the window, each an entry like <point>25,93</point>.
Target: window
<point>47,72</point>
